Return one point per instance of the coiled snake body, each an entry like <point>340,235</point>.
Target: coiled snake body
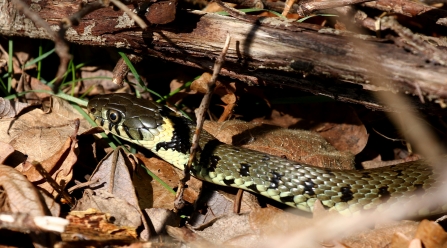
<point>298,185</point>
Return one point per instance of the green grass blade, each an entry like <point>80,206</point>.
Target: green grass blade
<point>136,75</point>
<point>39,59</point>
<point>10,65</point>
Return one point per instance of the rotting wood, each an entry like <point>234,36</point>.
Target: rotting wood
<point>285,53</point>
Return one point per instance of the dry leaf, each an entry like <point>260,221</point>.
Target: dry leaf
<point>187,236</point>
<point>40,135</point>
<point>344,131</point>
<point>160,196</point>
<point>226,228</point>
<point>114,192</point>
<point>431,234</point>
<point>272,221</point>
<point>211,205</point>
<point>59,166</point>
<point>10,108</point>
<point>5,150</point>
<point>21,195</point>
<point>99,77</point>
<point>161,217</point>
<point>298,145</point>
<point>383,235</point>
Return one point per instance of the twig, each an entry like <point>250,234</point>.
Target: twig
<point>26,223</point>
<point>52,182</point>
<point>309,7</point>
<point>82,185</point>
<point>60,44</point>
<point>200,120</point>
<point>121,69</point>
<point>238,201</point>
<point>236,13</point>
<point>287,7</point>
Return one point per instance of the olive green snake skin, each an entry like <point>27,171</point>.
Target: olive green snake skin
<point>298,185</point>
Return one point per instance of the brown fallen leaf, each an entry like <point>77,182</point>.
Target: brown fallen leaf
<point>114,192</point>
<point>21,195</point>
<point>5,150</point>
<point>98,78</point>
<point>226,91</point>
<point>187,236</point>
<point>298,145</point>
<point>344,131</point>
<point>40,135</point>
<point>227,228</point>
<point>59,166</point>
<point>431,234</point>
<point>160,218</point>
<point>383,235</point>
<point>159,195</point>
<point>272,221</point>
<point>10,108</point>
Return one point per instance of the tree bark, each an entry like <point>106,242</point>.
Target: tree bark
<point>273,51</point>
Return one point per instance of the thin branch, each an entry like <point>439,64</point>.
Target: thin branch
<point>60,44</point>
<point>236,13</point>
<point>309,7</point>
<point>26,223</point>
<point>200,120</point>
<point>39,168</point>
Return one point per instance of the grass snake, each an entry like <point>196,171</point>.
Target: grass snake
<point>298,185</point>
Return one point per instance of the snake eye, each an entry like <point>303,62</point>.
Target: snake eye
<point>92,110</point>
<point>113,116</point>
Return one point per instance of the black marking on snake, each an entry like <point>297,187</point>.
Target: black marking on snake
<point>346,194</point>
<point>117,130</point>
<point>366,175</point>
<point>265,157</point>
<point>214,160</point>
<point>126,129</point>
<point>229,181</point>
<point>110,126</point>
<point>207,159</point>
<point>180,136</point>
<point>309,187</point>
<point>287,198</point>
<point>140,134</point>
<point>275,178</point>
<point>236,149</point>
<point>102,122</point>
<point>399,173</point>
<point>244,171</point>
<point>253,187</point>
<point>384,194</point>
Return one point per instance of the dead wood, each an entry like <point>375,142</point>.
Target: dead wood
<point>272,51</point>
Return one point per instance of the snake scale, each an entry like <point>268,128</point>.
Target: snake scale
<point>298,185</point>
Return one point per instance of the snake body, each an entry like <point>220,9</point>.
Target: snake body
<point>298,185</point>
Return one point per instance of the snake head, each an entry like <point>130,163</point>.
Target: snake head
<point>128,117</point>
<point>142,122</point>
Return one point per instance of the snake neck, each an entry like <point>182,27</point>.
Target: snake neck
<point>176,151</point>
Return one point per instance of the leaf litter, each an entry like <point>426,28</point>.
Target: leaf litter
<point>120,192</point>
<point>111,206</point>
